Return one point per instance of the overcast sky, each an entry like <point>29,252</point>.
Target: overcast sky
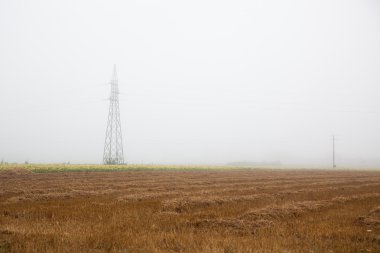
<point>202,81</point>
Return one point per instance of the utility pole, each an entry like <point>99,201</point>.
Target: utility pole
<point>113,145</point>
<point>333,154</point>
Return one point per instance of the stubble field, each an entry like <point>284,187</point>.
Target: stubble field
<point>211,210</point>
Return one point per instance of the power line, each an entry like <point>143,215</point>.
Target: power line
<point>333,152</point>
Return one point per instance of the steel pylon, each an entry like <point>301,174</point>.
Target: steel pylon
<point>113,145</point>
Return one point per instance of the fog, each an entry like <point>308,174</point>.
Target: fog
<point>201,82</point>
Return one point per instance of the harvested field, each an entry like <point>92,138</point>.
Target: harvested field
<point>237,210</point>
<point>372,219</point>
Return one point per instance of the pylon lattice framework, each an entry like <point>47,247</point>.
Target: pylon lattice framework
<point>113,145</point>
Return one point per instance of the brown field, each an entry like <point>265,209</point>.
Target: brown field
<point>238,210</point>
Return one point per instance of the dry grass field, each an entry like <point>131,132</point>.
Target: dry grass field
<point>211,210</point>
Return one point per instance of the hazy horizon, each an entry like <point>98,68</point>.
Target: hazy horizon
<point>201,82</point>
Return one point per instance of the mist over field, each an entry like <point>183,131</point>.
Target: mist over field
<point>201,82</point>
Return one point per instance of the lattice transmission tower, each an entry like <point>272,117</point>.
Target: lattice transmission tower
<point>113,145</point>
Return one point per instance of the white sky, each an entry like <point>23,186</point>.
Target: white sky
<point>202,81</point>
